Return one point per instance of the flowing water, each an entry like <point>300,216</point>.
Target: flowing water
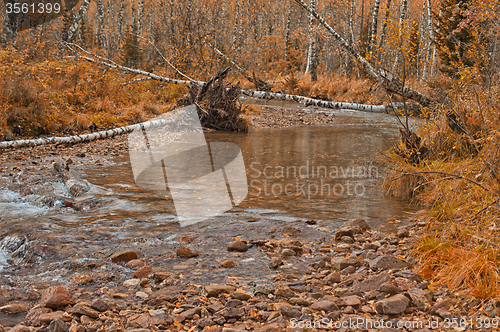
<point>295,175</point>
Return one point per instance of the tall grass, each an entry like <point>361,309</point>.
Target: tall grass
<point>458,183</point>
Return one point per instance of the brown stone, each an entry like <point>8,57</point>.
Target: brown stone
<point>33,317</point>
<point>56,297</point>
<point>143,272</point>
<point>80,309</point>
<point>185,252</point>
<point>100,305</point>
<point>124,256</point>
<point>393,305</point>
<point>290,230</point>
<point>49,317</point>
<point>238,246</point>
<point>14,308</point>
<point>135,264</point>
<point>228,264</point>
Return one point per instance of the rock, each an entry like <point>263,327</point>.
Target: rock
<point>2,329</point>
<point>82,279</point>
<point>344,231</point>
<point>57,325</point>
<point>340,263</point>
<point>185,252</point>
<point>290,312</point>
<point>285,292</point>
<point>361,223</point>
<point>275,263</point>
<point>20,328</point>
<point>143,272</point>
<point>393,305</point>
<point>238,246</point>
<point>240,296</point>
<point>371,283</point>
<point>324,306</point>
<point>161,276</point>
<point>135,263</point>
<point>288,252</point>
<point>228,264</point>
<point>80,309</point>
<point>14,308</point>
<point>332,278</point>
<point>351,300</point>
<point>124,256</point>
<point>389,287</point>
<point>347,239</point>
<point>214,290</point>
<point>387,262</point>
<point>56,297</point>
<point>131,282</point>
<point>189,314</point>
<point>403,232</point>
<point>232,313</point>
<point>299,301</point>
<point>418,297</point>
<point>32,318</point>
<point>408,274</point>
<point>290,231</point>
<point>49,317</point>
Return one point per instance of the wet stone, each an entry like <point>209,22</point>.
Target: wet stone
<point>387,262</point>
<point>79,309</point>
<point>124,256</point>
<point>238,246</point>
<point>185,252</point>
<point>57,325</point>
<point>228,264</point>
<point>143,272</point>
<point>56,297</point>
<point>214,290</point>
<point>393,305</point>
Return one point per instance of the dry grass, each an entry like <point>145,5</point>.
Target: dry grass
<point>460,246</point>
<point>68,96</point>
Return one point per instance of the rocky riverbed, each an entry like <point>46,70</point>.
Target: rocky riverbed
<point>357,280</point>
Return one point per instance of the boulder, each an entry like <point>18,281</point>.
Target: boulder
<point>238,246</point>
<point>393,305</point>
<point>56,297</point>
<point>124,256</point>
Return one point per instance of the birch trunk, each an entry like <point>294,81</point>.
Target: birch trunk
<point>10,27</point>
<point>140,16</point>
<point>76,22</point>
<point>287,33</point>
<point>404,8</point>
<point>373,34</point>
<point>102,28</point>
<point>429,42</point>
<point>382,32</point>
<point>311,67</point>
<point>120,21</point>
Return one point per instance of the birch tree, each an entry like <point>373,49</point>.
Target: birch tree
<point>404,9</point>
<point>10,27</point>
<point>373,34</point>
<point>428,47</point>
<point>311,67</point>
<point>76,21</point>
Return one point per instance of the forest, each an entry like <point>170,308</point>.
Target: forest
<point>103,64</point>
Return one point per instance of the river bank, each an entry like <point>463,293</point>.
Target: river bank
<point>357,279</point>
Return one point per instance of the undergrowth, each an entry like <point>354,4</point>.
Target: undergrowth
<point>458,183</point>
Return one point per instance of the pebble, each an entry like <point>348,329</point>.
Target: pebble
<point>14,308</point>
<point>238,246</point>
<point>228,264</point>
<point>185,252</point>
<point>124,256</point>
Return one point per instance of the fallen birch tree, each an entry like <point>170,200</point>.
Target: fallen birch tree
<point>382,77</point>
<point>91,57</point>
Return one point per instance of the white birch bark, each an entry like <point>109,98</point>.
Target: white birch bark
<point>140,16</point>
<point>102,28</point>
<point>76,22</point>
<point>311,53</point>
<point>10,28</point>
<point>373,34</point>
<point>120,21</point>
<point>382,31</point>
<point>287,33</point>
<point>404,9</point>
<point>430,51</point>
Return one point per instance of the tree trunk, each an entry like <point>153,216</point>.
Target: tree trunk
<point>429,42</point>
<point>382,32</point>
<point>311,67</point>
<point>120,21</point>
<point>102,28</point>
<point>140,16</point>
<point>287,34</point>
<point>404,9</point>
<point>373,34</point>
<point>10,27</point>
